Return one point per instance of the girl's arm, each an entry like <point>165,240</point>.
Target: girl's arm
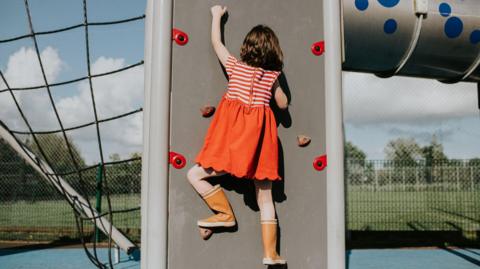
<point>280,96</point>
<point>220,49</point>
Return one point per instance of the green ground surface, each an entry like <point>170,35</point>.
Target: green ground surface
<point>366,211</point>
<point>398,210</point>
<point>44,220</point>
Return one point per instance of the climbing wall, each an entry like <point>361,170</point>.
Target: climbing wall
<point>198,80</point>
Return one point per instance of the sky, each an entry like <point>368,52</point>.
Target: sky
<point>375,110</point>
<point>379,110</point>
<point>64,58</point>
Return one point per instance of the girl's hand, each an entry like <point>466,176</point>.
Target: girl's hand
<point>218,10</point>
<point>222,52</point>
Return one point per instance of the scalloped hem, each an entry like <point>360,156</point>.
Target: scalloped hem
<point>238,175</point>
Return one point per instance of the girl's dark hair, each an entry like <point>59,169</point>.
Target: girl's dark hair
<point>262,49</point>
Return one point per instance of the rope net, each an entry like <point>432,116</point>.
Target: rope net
<point>44,143</point>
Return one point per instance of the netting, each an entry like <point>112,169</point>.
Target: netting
<point>87,180</point>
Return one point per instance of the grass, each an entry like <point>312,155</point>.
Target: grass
<point>366,211</point>
<point>409,210</point>
<point>52,219</point>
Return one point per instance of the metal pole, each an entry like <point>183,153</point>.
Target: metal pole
<point>471,179</point>
<point>417,171</point>
<point>457,175</point>
<point>334,135</point>
<point>478,94</point>
<point>98,197</point>
<point>156,118</point>
<point>117,254</point>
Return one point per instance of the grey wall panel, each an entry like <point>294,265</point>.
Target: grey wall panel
<point>198,80</point>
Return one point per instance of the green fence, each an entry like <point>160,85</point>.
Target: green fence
<point>399,196</point>
<point>32,209</point>
<point>381,196</point>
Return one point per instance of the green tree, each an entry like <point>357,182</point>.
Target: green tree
<point>433,153</point>
<point>124,177</point>
<point>20,181</point>
<point>475,165</point>
<point>56,151</point>
<point>404,154</point>
<point>352,152</point>
<point>135,155</point>
<point>475,162</point>
<point>434,156</point>
<point>115,157</point>
<point>357,169</point>
<point>6,152</point>
<point>403,151</point>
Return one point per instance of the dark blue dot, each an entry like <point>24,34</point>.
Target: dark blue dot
<point>445,9</point>
<point>390,26</point>
<point>361,4</point>
<point>475,37</point>
<point>388,3</point>
<point>453,27</point>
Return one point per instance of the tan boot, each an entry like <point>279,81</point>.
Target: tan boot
<point>218,202</point>
<point>269,238</point>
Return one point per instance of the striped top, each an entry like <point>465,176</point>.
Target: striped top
<point>250,85</point>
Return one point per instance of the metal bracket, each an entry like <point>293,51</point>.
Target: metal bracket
<point>466,74</point>
<point>421,10</point>
<point>421,7</point>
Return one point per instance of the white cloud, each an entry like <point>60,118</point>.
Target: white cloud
<point>23,70</point>
<point>114,94</point>
<point>372,100</point>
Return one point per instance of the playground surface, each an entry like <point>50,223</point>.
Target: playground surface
<point>411,258</point>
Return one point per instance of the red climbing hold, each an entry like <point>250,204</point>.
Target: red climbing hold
<point>177,160</point>
<point>207,111</point>
<point>318,48</point>
<point>320,162</point>
<point>181,38</point>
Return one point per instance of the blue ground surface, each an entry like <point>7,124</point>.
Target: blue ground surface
<point>452,258</point>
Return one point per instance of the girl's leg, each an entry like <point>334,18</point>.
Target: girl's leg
<point>263,190</point>
<point>197,174</point>
<point>214,197</point>
<point>268,221</point>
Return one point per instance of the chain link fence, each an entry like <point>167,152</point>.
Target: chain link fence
<point>33,210</point>
<point>381,196</point>
<point>413,196</point>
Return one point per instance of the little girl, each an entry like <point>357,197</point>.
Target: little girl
<point>242,137</point>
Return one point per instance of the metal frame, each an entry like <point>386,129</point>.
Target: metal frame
<point>335,135</point>
<point>156,122</point>
<point>158,25</point>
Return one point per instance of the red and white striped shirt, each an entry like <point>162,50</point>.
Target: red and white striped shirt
<point>250,85</point>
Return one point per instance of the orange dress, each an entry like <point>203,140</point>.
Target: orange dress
<point>242,137</point>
